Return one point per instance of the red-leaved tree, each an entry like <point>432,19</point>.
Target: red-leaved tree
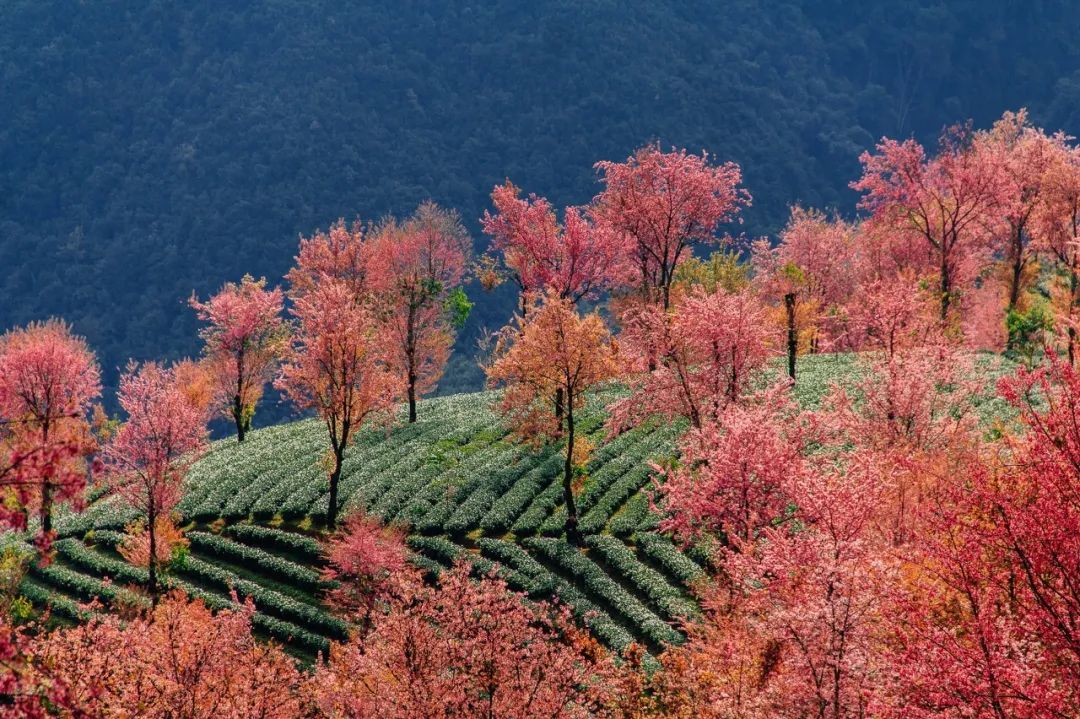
<point>338,368</point>
<point>813,273</point>
<point>148,457</point>
<point>340,253</point>
<point>245,340</point>
<point>368,563</point>
<point>415,270</point>
<point>181,661</point>
<point>576,259</point>
<point>1056,226</point>
<point>665,204</point>
<point>554,350</point>
<point>731,472</point>
<point>1022,154</point>
<point>792,625</point>
<point>48,380</point>
<point>944,204</point>
<point>694,361</point>
<point>464,649</point>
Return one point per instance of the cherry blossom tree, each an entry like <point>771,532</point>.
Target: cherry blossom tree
<point>811,271</point>
<point>48,380</point>
<point>665,204</point>
<point>692,362</point>
<point>577,259</point>
<point>1022,153</point>
<point>368,562</point>
<point>179,661</point>
<point>1056,227</point>
<point>942,204</point>
<point>892,313</point>
<point>148,457</point>
<point>31,688</point>
<point>792,624</point>
<point>415,269</point>
<point>245,340</point>
<point>464,649</point>
<point>729,479</point>
<point>554,349</point>
<point>340,253</point>
<point>338,368</point>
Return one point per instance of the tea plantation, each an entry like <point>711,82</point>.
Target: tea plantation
<point>464,489</point>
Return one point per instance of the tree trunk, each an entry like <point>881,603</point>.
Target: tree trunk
<point>238,402</point>
<point>946,289</point>
<point>152,574</point>
<point>559,406</point>
<point>1074,280</point>
<point>1016,273</point>
<point>46,487</point>
<point>410,360</point>
<point>792,334</point>
<point>568,474</point>
<point>331,507</point>
<point>238,417</point>
<point>46,506</point>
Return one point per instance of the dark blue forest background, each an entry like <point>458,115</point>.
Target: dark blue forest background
<point>148,149</point>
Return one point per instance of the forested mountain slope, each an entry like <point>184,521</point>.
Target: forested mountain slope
<point>150,149</point>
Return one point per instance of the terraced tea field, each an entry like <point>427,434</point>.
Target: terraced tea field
<point>252,516</point>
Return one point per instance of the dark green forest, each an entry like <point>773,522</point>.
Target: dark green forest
<point>150,149</point>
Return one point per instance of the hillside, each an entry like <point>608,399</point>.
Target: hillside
<point>152,149</point>
<point>251,512</point>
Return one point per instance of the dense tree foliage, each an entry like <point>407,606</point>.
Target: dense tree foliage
<point>48,379</point>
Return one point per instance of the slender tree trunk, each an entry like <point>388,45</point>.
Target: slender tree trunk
<point>568,474</point>
<point>1074,280</point>
<point>46,487</point>
<point>46,506</point>
<point>238,417</point>
<point>665,282</point>
<point>733,381</point>
<point>792,334</point>
<point>412,398</point>
<point>238,402</point>
<point>410,360</point>
<point>335,476</point>
<point>559,405</point>
<point>1017,267</point>
<point>946,288</point>
<point>1017,271</point>
<point>152,574</point>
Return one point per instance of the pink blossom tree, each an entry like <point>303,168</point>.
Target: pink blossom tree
<point>577,258</point>
<point>48,380</point>
<point>1056,227</point>
<point>665,204</point>
<point>943,204</point>
<point>148,457</point>
<point>812,271</point>
<point>339,253</point>
<point>464,649</point>
<point>245,340</point>
<point>415,270</point>
<point>368,562</point>
<point>1022,154</point>
<point>731,472</point>
<point>692,362</point>
<point>338,368</point>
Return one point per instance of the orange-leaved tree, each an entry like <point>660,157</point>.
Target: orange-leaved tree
<point>338,368</point>
<point>554,349</point>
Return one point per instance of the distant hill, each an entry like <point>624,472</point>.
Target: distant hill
<point>154,148</point>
